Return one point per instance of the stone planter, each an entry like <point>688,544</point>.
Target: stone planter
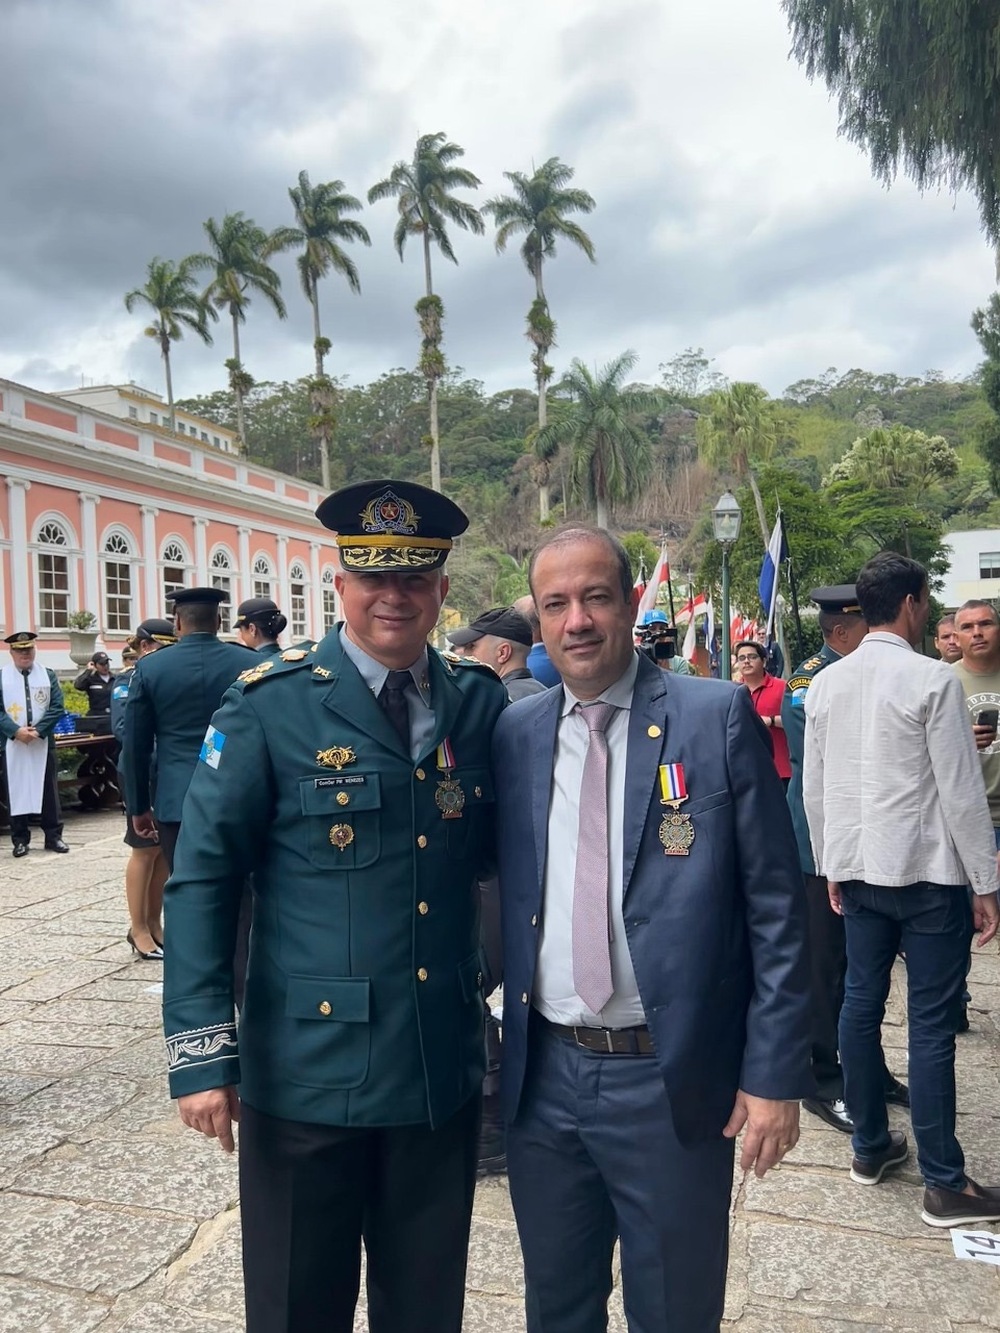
<point>82,645</point>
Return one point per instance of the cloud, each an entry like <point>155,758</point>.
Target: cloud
<point>730,215</point>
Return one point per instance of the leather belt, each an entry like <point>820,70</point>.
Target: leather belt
<point>604,1041</point>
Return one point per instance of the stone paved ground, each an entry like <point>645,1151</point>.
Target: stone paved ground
<point>114,1217</point>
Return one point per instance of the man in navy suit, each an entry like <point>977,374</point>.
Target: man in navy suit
<point>666,889</point>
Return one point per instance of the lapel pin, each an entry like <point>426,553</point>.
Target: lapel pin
<point>654,732</point>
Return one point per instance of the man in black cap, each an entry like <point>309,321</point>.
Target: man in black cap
<point>501,638</point>
<point>354,780</point>
<point>258,623</point>
<point>31,703</point>
<point>843,627</point>
<point>97,681</point>
<point>171,699</point>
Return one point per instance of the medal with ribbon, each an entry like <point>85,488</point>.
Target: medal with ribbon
<point>676,829</point>
<point>449,797</point>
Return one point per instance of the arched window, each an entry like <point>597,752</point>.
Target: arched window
<point>221,566</point>
<point>297,588</point>
<point>117,557</point>
<point>52,575</point>
<point>263,577</point>
<point>329,600</point>
<point>174,567</point>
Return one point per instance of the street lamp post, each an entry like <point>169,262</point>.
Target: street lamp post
<point>726,519</point>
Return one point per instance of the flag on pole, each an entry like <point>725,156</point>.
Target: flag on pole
<point>661,574</point>
<point>694,610</point>
<point>767,584</point>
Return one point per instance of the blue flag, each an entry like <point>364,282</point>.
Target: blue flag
<point>767,584</point>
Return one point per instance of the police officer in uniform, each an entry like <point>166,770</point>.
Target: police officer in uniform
<point>843,629</point>
<point>353,778</point>
<point>258,623</point>
<point>171,699</point>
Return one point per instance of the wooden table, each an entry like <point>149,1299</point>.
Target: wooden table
<point>95,780</point>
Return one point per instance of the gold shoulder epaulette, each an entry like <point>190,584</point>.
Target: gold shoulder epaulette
<point>454,660</point>
<point>272,667</point>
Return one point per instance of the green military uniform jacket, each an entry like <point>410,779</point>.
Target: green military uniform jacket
<point>268,650</point>
<point>46,724</point>
<point>171,698</point>
<point>364,989</point>
<point>793,719</point>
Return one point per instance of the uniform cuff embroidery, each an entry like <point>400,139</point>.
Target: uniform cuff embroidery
<point>201,1046</point>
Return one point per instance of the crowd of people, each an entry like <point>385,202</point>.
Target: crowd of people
<point>692,891</point>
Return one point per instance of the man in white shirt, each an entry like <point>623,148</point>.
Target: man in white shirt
<point>655,972</point>
<point>900,826</point>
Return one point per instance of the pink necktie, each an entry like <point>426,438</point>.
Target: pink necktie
<point>591,948</point>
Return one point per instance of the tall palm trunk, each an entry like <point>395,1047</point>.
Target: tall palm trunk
<point>165,350</point>
<point>761,516</point>
<point>432,394</point>
<point>543,411</point>
<point>324,433</point>
<point>241,428</point>
<point>602,511</point>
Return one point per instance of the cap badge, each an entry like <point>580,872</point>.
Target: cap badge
<point>336,757</point>
<point>389,514</point>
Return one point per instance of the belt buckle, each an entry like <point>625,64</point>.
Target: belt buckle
<point>609,1041</point>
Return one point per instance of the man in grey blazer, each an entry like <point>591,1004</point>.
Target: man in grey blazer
<point>655,976</point>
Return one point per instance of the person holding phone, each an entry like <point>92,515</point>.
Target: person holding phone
<point>977,628</point>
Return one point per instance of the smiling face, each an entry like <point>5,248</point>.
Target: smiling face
<point>586,622</point>
<point>390,614</point>
<point>23,658</point>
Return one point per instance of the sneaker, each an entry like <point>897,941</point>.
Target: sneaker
<point>951,1208</point>
<point>870,1170</point>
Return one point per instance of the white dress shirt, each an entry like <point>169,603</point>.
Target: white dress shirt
<point>554,996</point>
<point>892,785</point>
<point>417,694</point>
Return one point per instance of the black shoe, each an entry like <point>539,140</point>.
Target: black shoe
<point>491,1157</point>
<point>20,849</point>
<point>56,845</point>
<point>870,1170</point>
<point>897,1094</point>
<point>963,1022</point>
<point>834,1112</point>
<point>154,955</point>
<point>950,1208</point>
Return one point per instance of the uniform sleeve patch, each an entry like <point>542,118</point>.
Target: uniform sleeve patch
<point>211,748</point>
<point>799,698</point>
<point>799,683</point>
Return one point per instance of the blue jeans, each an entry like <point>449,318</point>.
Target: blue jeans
<point>932,923</point>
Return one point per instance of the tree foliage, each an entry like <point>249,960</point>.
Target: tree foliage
<point>738,433</point>
<point>170,292</point>
<point>918,86</point>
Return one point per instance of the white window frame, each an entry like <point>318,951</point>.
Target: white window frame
<point>185,565</point>
<point>262,575</point>
<point>329,598</point>
<point>222,574</point>
<point>70,551</point>
<point>298,603</point>
<point>129,558</point>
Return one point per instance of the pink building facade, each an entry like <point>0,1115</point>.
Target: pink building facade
<point>108,516</point>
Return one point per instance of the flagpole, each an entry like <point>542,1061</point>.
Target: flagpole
<point>793,588</point>
<point>670,582</point>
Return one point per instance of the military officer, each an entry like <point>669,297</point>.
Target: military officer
<point>31,703</point>
<point>843,628</point>
<point>171,699</point>
<point>353,779</point>
<point>258,623</point>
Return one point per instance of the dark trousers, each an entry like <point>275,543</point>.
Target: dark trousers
<point>51,815</point>
<point>169,833</point>
<point>309,1194</point>
<point>933,924</point>
<point>592,1156</point>
<point>828,968</point>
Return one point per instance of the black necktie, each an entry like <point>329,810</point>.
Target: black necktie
<point>393,701</point>
<point>27,696</point>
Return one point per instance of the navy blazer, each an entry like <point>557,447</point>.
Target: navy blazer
<point>717,937</point>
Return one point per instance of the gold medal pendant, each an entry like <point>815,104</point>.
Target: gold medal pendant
<point>449,798</point>
<point>676,833</point>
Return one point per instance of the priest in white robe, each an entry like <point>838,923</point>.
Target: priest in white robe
<point>31,703</point>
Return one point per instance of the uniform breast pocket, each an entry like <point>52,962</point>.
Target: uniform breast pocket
<point>342,820</point>
<point>478,803</point>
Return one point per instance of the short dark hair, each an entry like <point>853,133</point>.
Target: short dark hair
<point>974,603</point>
<point>884,585</point>
<point>198,617</point>
<point>829,620</point>
<point>749,643</point>
<point>579,533</point>
<point>949,619</point>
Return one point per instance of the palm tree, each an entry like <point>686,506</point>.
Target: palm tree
<point>537,208</point>
<point>239,255</point>
<point>423,189</point>
<point>171,293</point>
<point>321,230</point>
<point>738,433</point>
<point>610,453</point>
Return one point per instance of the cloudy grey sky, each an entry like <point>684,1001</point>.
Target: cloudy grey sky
<point>729,213</point>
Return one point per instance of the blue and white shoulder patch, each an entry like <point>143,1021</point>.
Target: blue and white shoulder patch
<point>212,747</point>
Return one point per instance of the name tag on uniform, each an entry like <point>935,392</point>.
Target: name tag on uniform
<point>347,780</point>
